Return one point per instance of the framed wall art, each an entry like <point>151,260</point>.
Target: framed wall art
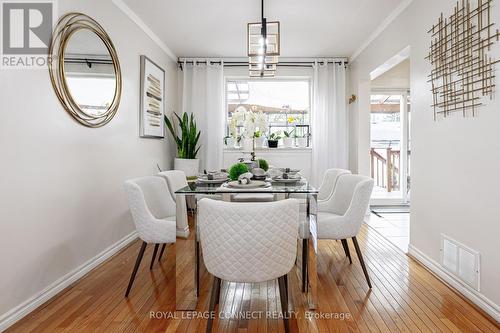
<point>152,98</point>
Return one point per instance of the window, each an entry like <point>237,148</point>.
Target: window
<point>285,103</point>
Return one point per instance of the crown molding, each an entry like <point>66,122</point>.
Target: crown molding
<point>140,23</point>
<point>385,23</point>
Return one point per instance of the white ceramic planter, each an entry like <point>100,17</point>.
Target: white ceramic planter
<point>230,142</point>
<point>302,142</point>
<point>288,142</point>
<point>247,144</point>
<point>259,142</point>
<point>189,166</point>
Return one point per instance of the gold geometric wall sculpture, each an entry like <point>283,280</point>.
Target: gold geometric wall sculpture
<point>462,72</point>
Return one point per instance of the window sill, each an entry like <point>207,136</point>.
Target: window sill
<point>279,149</point>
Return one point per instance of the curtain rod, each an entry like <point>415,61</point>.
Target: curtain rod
<point>245,64</point>
<point>88,61</point>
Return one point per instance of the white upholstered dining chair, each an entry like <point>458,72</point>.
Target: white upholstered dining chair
<point>343,213</point>
<point>325,192</point>
<point>249,242</point>
<point>327,186</point>
<point>176,179</point>
<point>153,212</point>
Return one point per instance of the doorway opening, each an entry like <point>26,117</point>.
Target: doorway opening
<point>390,149</point>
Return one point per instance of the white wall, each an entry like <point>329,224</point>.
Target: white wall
<point>61,185</point>
<point>455,161</point>
<point>397,77</point>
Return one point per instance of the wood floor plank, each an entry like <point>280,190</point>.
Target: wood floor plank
<point>405,298</point>
<point>438,292</point>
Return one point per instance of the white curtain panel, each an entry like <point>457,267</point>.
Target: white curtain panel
<point>202,93</point>
<point>329,121</point>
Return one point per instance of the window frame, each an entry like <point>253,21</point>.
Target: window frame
<point>301,78</point>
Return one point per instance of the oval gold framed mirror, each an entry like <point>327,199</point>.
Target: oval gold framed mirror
<point>85,70</point>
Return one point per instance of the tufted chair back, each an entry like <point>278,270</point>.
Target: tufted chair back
<point>152,208</point>
<point>329,181</point>
<point>350,200</point>
<point>248,242</point>
<point>176,179</point>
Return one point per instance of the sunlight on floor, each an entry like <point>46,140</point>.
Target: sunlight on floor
<point>381,193</point>
<point>395,227</point>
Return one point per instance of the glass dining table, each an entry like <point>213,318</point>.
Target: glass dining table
<point>189,265</point>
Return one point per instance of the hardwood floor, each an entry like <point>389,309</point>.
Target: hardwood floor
<point>405,298</point>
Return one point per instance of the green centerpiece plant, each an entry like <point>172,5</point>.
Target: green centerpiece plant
<point>237,170</point>
<point>263,164</point>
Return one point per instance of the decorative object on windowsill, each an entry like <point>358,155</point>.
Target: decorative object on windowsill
<point>302,142</point>
<point>302,135</point>
<point>247,144</point>
<point>237,170</point>
<point>258,139</point>
<point>273,140</point>
<point>80,52</point>
<point>152,99</point>
<point>288,138</point>
<point>462,71</point>
<point>229,142</point>
<point>263,46</point>
<point>187,143</point>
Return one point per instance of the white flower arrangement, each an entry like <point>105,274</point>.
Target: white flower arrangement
<point>250,120</point>
<point>261,122</point>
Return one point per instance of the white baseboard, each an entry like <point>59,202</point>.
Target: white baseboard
<point>182,232</point>
<point>23,309</point>
<point>472,295</point>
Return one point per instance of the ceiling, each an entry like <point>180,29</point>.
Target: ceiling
<point>217,28</point>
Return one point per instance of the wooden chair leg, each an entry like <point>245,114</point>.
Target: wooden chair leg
<point>218,294</point>
<point>161,252</point>
<point>305,254</point>
<point>211,309</point>
<point>136,267</point>
<point>197,249</point>
<point>284,302</point>
<point>345,245</point>
<point>154,256</point>
<point>285,277</point>
<point>360,257</point>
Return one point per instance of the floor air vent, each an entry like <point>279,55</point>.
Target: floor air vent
<point>460,261</point>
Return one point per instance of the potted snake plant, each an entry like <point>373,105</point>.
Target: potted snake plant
<point>187,143</point>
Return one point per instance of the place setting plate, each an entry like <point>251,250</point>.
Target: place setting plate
<point>253,184</point>
<point>212,181</point>
<point>218,178</point>
<point>286,180</point>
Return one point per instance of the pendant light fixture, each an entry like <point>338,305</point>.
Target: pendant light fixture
<point>263,45</point>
